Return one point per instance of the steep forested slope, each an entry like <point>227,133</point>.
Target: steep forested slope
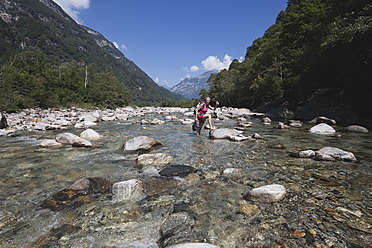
<point>315,47</point>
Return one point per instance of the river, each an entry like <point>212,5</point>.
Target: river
<point>328,204</point>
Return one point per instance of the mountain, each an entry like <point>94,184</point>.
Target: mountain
<point>42,24</point>
<point>190,87</point>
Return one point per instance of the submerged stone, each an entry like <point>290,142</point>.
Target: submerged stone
<point>333,153</point>
<point>80,192</point>
<point>128,190</point>
<point>154,159</point>
<point>177,170</point>
<point>176,228</point>
<point>268,193</point>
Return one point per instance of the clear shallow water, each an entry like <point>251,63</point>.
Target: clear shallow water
<point>327,203</point>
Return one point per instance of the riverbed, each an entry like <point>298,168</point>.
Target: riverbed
<point>327,204</point>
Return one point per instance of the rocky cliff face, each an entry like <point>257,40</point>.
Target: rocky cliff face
<point>190,87</point>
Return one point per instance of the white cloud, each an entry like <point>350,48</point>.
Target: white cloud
<point>165,82</point>
<point>156,80</point>
<point>116,45</point>
<point>124,47</point>
<point>73,7</point>
<point>194,68</point>
<point>241,59</point>
<point>188,76</point>
<point>214,63</point>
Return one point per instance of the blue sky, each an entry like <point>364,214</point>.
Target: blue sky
<point>174,39</point>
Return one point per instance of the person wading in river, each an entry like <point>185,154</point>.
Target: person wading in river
<point>201,114</point>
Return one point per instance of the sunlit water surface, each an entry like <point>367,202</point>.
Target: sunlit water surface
<point>327,203</point>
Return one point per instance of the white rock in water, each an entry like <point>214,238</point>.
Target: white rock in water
<point>90,134</point>
<point>326,152</point>
<point>268,193</point>
<point>193,245</point>
<point>223,133</point>
<point>66,138</point>
<point>233,172</point>
<point>72,139</point>
<point>122,117</point>
<point>157,122</point>
<point>155,158</point>
<point>108,118</point>
<point>306,154</point>
<point>80,142</point>
<point>128,190</point>
<point>140,143</point>
<point>89,124</point>
<point>256,136</point>
<point>50,143</point>
<point>323,129</point>
<point>239,138</point>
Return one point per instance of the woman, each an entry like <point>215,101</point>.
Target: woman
<point>201,114</point>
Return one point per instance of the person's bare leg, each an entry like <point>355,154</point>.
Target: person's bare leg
<point>200,127</point>
<point>210,122</point>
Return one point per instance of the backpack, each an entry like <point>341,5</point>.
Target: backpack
<point>197,106</point>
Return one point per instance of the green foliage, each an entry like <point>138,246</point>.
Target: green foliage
<point>313,44</point>
<point>28,80</point>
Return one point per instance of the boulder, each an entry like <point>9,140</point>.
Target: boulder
<point>306,154</point>
<point>3,121</point>
<point>175,229</point>
<point>72,139</point>
<point>333,153</point>
<point>239,137</point>
<point>233,173</point>
<point>90,134</point>
<point>122,117</point>
<point>322,119</point>
<point>266,120</point>
<point>356,129</point>
<point>295,123</point>
<point>177,170</point>
<point>108,118</point>
<point>80,142</point>
<point>268,193</point>
<point>128,190</point>
<point>50,143</point>
<point>157,122</point>
<point>154,159</point>
<point>140,143</point>
<point>223,133</point>
<point>281,125</point>
<point>257,136</point>
<point>82,191</point>
<point>245,124</point>
<point>323,129</point>
<point>66,138</point>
